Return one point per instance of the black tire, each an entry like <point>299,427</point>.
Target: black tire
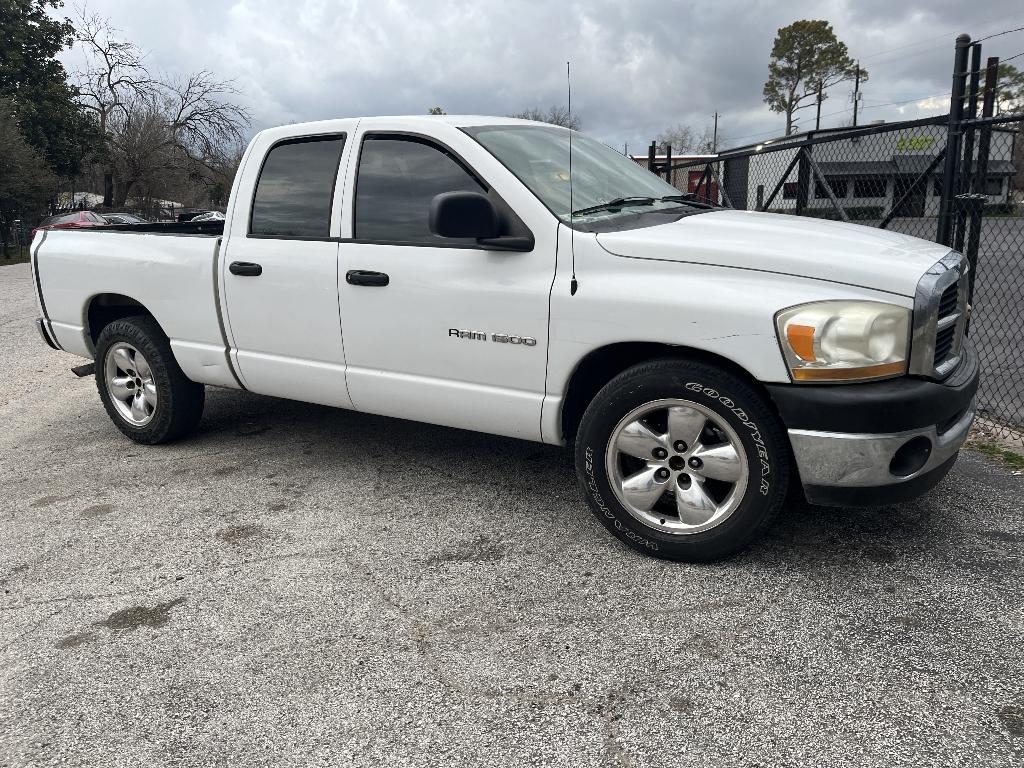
<point>179,400</point>
<point>731,399</point>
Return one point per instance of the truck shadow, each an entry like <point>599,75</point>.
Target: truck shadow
<point>289,435</point>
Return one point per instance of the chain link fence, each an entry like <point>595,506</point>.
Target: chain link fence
<point>956,180</point>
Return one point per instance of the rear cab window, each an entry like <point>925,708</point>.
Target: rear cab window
<point>295,189</point>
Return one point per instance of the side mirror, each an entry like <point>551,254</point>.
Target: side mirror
<point>463,214</point>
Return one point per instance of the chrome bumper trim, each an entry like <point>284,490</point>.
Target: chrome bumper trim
<point>862,461</point>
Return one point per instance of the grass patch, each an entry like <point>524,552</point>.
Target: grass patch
<point>993,451</point>
<point>16,255</point>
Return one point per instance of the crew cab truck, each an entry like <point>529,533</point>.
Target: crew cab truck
<point>461,271</point>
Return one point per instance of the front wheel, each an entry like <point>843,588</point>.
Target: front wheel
<point>143,389</point>
<point>682,460</point>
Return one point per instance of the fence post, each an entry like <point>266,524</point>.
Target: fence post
<point>650,158</point>
<point>966,176</point>
<point>981,171</point>
<point>803,180</point>
<point>944,229</point>
<point>668,163</point>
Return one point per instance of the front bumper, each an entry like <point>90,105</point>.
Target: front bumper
<point>881,442</point>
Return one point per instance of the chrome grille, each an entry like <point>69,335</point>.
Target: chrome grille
<point>944,344</point>
<point>949,301</point>
<point>940,318</point>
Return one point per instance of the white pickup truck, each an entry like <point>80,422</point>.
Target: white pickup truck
<point>447,270</point>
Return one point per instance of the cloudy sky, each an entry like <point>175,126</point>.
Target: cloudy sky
<point>638,67</point>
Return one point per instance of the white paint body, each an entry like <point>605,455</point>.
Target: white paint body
<point>710,282</point>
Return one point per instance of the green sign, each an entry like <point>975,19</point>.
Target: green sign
<point>912,143</point>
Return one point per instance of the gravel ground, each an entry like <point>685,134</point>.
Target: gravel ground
<point>304,586</point>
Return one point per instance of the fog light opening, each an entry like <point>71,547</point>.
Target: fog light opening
<point>911,456</point>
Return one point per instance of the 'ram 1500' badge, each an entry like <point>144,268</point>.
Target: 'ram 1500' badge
<point>501,338</point>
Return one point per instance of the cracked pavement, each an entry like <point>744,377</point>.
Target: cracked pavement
<point>297,585</point>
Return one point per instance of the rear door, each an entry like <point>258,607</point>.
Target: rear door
<point>280,270</point>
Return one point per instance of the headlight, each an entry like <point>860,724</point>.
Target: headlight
<point>844,340</point>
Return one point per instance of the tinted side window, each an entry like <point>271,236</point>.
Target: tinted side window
<point>295,187</point>
<point>398,178</point>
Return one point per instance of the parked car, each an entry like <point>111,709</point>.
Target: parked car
<point>72,220</point>
<point>190,213</point>
<point>124,218</point>
<point>209,216</point>
<point>452,270</point>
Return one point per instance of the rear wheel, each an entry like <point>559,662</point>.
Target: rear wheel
<point>143,389</point>
<point>682,460</point>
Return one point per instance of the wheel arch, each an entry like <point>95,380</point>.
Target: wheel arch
<point>104,308</point>
<point>603,364</point>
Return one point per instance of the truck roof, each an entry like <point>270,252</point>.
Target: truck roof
<point>408,122</point>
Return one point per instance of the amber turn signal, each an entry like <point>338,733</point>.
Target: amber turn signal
<point>851,374</point>
<point>801,341</point>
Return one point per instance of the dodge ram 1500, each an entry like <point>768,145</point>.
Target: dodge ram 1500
<point>702,361</point>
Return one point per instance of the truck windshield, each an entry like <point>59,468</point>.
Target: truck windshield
<point>604,182</point>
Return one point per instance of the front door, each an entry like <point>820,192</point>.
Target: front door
<point>458,334</point>
<point>280,277</point>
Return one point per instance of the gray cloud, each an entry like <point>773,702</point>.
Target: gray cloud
<point>638,67</point>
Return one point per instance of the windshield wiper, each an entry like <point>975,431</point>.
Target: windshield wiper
<point>618,202</point>
<point>688,198</point>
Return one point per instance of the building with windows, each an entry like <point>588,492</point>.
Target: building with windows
<point>868,173</point>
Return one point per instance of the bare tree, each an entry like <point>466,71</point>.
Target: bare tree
<point>222,168</point>
<point>153,127</point>
<point>685,140</point>
<point>114,70</point>
<point>114,75</point>
<point>200,119</point>
<point>555,115</point>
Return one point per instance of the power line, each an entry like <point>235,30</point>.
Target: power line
<point>1000,34</point>
<point>905,101</point>
<point>909,45</point>
<point>982,70</point>
<point>848,109</point>
<point>934,47</point>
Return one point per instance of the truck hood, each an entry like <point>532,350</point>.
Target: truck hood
<point>790,245</point>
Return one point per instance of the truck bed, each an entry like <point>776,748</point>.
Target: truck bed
<point>170,269</point>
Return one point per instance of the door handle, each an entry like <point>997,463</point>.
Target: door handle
<point>366,277</point>
<point>245,269</point>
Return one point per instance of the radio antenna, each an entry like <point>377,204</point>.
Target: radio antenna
<point>573,284</point>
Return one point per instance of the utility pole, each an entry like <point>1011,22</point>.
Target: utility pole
<point>856,93</point>
<point>817,120</point>
<point>714,139</point>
